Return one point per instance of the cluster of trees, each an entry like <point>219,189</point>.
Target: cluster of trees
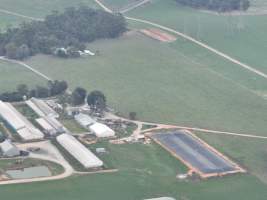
<point>217,5</point>
<point>70,30</point>
<point>23,92</point>
<point>95,99</point>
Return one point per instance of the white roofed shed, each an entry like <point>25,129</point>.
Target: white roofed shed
<point>84,120</point>
<point>79,151</point>
<point>102,130</point>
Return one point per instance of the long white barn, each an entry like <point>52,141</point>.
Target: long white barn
<point>79,151</point>
<point>41,108</point>
<point>19,123</point>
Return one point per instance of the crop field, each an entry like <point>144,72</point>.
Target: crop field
<point>242,37</point>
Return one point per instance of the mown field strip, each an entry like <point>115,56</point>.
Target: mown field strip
<point>187,37</point>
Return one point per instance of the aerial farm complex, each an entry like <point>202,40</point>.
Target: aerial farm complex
<point>133,100</point>
<point>46,126</point>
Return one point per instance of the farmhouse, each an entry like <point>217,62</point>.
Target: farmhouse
<point>8,149</point>
<point>101,130</point>
<point>18,123</point>
<point>84,120</point>
<point>79,151</point>
<point>41,108</point>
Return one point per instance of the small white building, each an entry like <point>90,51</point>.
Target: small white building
<point>79,151</point>
<point>84,120</point>
<point>102,130</point>
<point>8,149</point>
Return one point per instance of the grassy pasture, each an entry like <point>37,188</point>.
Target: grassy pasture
<point>13,75</point>
<point>117,4</point>
<point>40,8</point>
<point>163,85</point>
<point>35,9</point>
<point>242,37</point>
<point>144,172</point>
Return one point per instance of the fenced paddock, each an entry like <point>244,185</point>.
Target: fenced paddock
<point>198,156</point>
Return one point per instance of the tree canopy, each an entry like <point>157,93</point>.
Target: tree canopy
<point>217,5</point>
<point>53,88</point>
<point>70,30</point>
<point>97,101</point>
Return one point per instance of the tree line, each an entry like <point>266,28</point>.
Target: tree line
<point>71,30</point>
<point>217,5</point>
<point>23,92</point>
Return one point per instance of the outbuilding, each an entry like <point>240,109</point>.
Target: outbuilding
<point>79,151</point>
<point>84,120</point>
<point>102,130</point>
<point>8,149</point>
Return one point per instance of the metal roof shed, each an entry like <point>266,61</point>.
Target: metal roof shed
<point>8,149</point>
<point>79,151</point>
<point>102,130</point>
<point>84,120</point>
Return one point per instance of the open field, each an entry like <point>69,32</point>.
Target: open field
<point>34,8</point>
<point>164,85</point>
<point>144,172</point>
<point>41,8</point>
<point>242,37</point>
<point>12,75</point>
<point>118,4</point>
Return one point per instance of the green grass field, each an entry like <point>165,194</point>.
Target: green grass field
<point>13,75</point>
<point>242,37</point>
<point>144,172</point>
<point>162,85</point>
<point>178,83</point>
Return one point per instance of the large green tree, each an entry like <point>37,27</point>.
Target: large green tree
<point>97,101</point>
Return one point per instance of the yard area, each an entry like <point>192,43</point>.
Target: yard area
<point>8,164</point>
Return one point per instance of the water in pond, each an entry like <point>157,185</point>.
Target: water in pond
<point>31,172</point>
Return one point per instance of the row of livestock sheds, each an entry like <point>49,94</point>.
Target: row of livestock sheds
<point>18,123</point>
<point>51,125</point>
<point>41,108</point>
<point>47,121</point>
<point>79,151</point>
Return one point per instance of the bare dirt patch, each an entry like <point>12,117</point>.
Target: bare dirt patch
<point>158,35</point>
